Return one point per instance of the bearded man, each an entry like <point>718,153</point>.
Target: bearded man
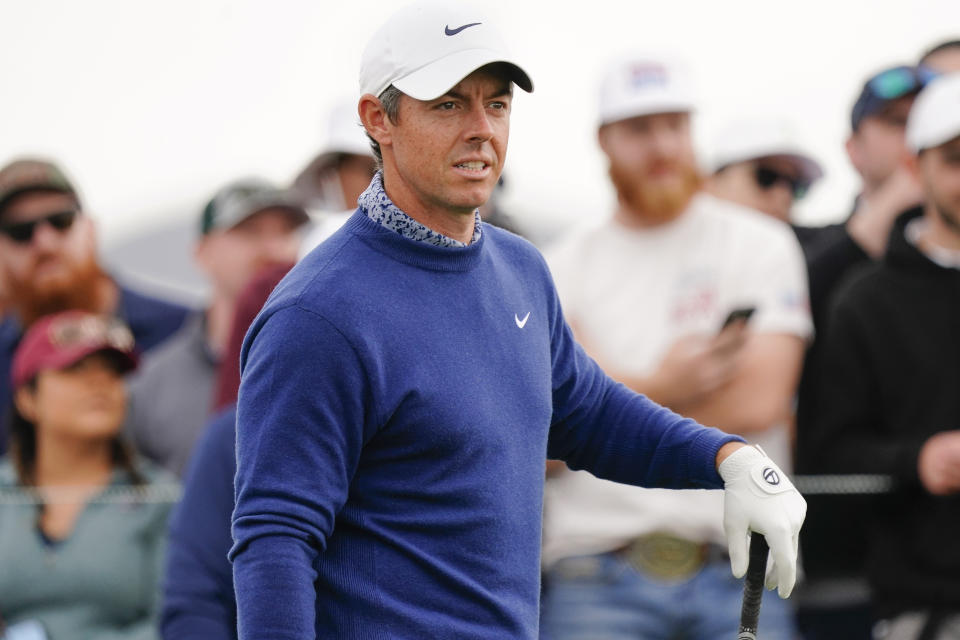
<point>48,262</point>
<point>647,294</point>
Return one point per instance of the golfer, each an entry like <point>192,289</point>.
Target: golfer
<point>405,384</point>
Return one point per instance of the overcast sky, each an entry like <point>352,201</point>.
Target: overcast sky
<point>151,106</point>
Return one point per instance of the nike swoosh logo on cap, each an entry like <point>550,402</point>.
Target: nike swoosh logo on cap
<point>452,32</point>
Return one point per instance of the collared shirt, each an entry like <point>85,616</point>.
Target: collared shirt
<point>380,208</point>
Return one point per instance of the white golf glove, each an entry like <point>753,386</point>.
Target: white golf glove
<point>759,497</point>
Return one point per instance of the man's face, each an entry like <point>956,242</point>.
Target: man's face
<point>877,147</point>
<point>652,164</point>
<point>230,257</point>
<point>445,156</point>
<point>940,174</point>
<point>765,184</point>
<point>53,263</point>
<point>944,61</point>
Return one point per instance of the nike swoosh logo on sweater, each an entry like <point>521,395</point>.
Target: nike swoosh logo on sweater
<point>452,32</point>
<point>521,323</point>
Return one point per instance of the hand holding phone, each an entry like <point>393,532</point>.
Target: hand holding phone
<point>740,313</point>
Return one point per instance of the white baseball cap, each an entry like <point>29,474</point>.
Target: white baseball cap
<point>761,137</point>
<point>935,115</point>
<point>639,85</point>
<point>426,48</point>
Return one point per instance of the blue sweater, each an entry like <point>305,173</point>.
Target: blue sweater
<point>397,405</point>
<point>198,599</point>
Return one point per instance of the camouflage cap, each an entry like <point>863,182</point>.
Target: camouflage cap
<point>239,200</point>
<point>31,174</point>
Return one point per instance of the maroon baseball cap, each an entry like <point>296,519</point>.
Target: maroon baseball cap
<point>62,339</point>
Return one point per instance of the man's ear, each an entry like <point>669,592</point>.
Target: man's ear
<point>374,118</point>
<point>912,163</point>
<point>203,252</point>
<point>602,138</point>
<point>853,151</point>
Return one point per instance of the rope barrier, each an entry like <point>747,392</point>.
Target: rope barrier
<point>808,485</point>
<point>121,495</point>
<point>843,485</point>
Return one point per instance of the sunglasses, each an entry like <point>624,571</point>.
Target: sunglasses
<point>767,178</point>
<point>899,81</point>
<point>22,232</point>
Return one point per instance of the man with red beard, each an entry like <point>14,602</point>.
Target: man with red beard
<point>48,262</point>
<point>647,294</point>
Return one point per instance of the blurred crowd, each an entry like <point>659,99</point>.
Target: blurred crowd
<point>835,348</point>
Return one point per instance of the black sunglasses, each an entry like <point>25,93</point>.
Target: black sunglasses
<point>766,178</point>
<point>22,232</point>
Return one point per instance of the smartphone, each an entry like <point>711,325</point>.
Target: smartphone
<point>740,313</point>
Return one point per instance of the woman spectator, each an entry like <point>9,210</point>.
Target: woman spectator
<point>82,531</point>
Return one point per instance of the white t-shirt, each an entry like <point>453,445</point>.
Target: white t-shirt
<point>631,293</point>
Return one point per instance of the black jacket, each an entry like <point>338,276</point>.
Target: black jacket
<point>888,380</point>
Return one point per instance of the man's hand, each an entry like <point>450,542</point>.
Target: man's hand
<point>759,497</point>
<point>870,224</point>
<point>696,366</point>
<point>939,463</point>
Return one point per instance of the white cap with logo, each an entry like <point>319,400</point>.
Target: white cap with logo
<point>425,49</point>
<point>762,137</point>
<point>935,115</point>
<point>639,85</point>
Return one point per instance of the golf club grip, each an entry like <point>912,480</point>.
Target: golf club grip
<point>753,587</point>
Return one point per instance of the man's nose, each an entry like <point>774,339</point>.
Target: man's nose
<point>45,237</point>
<point>665,142</point>
<point>479,128</point>
<point>276,248</point>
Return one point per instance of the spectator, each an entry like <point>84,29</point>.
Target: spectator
<point>835,597</point>
<point>81,555</point>
<point>199,601</point>
<point>886,390</point>
<point>647,294</point>
<point>247,224</point>
<point>329,186</point>
<point>48,260</point>
<point>339,173</point>
<point>758,164</point>
<point>943,57</point>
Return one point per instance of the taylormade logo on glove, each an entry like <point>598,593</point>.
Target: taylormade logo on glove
<point>759,497</point>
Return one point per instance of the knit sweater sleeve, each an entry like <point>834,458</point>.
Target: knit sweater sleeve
<point>301,420</point>
<point>603,427</point>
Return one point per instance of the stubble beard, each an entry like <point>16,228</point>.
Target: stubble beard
<point>949,216</point>
<point>653,203</point>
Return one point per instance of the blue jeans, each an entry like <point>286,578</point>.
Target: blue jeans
<point>603,597</point>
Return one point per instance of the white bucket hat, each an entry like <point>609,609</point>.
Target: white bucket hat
<point>762,137</point>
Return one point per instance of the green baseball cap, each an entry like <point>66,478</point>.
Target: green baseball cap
<point>32,174</point>
<point>239,200</point>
